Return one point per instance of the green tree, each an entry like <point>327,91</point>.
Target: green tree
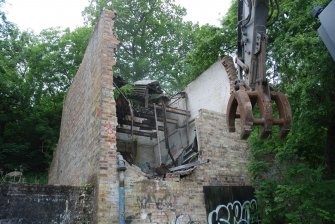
<point>13,98</point>
<point>153,38</point>
<point>35,72</point>
<point>294,178</point>
<point>209,44</point>
<point>54,59</point>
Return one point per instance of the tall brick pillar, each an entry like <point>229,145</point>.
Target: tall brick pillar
<point>86,152</point>
<point>107,182</point>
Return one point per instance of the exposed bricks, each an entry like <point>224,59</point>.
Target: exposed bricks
<point>87,141</point>
<point>87,149</point>
<point>228,63</point>
<point>147,199</point>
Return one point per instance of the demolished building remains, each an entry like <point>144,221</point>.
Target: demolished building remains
<point>175,148</point>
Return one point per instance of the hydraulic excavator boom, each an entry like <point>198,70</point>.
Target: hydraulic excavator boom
<point>252,86</point>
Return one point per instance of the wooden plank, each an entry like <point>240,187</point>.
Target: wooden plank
<point>189,165</point>
<point>148,116</point>
<point>166,134</point>
<point>178,152</point>
<point>157,128</point>
<point>176,111</point>
<point>136,132</point>
<point>141,125</point>
<point>190,157</point>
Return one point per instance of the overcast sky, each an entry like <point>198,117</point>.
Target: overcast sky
<point>40,14</point>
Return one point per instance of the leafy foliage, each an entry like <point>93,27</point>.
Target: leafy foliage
<point>209,44</point>
<point>35,72</point>
<point>157,44</point>
<point>37,69</point>
<point>127,90</point>
<point>294,178</point>
<point>153,38</point>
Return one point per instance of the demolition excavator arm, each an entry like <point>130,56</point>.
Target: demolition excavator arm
<point>252,87</point>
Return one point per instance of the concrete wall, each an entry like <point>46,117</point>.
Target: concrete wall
<point>22,203</point>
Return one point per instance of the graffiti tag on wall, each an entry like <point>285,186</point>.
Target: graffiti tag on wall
<point>230,204</point>
<point>165,202</point>
<point>159,208</point>
<point>234,213</point>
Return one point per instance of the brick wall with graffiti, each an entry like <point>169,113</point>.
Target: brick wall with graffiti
<point>176,199</point>
<point>230,204</point>
<point>86,151</point>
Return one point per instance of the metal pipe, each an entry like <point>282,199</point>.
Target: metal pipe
<point>121,169</point>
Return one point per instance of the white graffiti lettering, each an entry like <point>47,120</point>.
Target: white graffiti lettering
<point>234,213</point>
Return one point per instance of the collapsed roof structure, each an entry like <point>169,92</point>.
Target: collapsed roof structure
<point>159,136</point>
<point>153,129</point>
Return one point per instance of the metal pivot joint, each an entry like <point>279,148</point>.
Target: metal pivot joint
<point>252,87</point>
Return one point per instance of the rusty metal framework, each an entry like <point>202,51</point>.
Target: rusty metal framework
<point>252,87</point>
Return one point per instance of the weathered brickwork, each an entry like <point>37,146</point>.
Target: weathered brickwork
<point>87,146</point>
<point>86,151</point>
<point>177,200</point>
<point>41,204</point>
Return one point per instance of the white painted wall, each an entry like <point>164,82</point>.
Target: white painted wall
<point>211,91</point>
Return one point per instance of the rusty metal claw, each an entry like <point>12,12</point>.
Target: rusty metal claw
<point>285,113</point>
<point>252,87</point>
<point>242,101</point>
<point>265,109</point>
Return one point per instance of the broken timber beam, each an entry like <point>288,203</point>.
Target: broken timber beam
<point>135,132</point>
<point>157,128</point>
<point>166,133</point>
<point>175,110</point>
<point>141,125</point>
<point>148,116</point>
<point>189,165</point>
